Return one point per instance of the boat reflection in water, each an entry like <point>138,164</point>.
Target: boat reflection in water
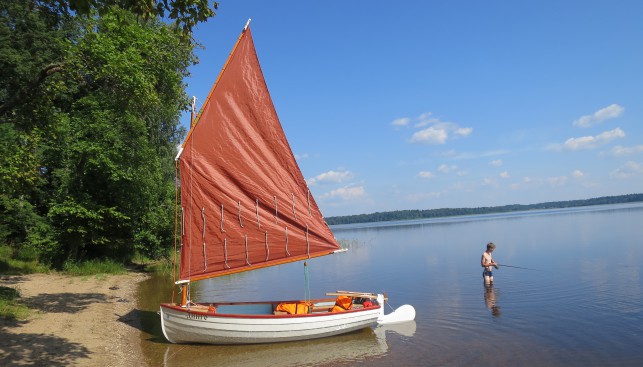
<point>358,346</point>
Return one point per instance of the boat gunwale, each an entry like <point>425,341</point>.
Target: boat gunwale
<point>269,316</point>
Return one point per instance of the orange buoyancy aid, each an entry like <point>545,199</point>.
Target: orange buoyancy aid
<point>342,303</point>
<point>293,308</point>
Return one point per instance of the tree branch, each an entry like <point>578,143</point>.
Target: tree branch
<point>26,90</point>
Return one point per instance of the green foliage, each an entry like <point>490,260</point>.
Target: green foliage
<point>10,307</point>
<point>23,261</point>
<point>185,13</point>
<point>94,267</point>
<point>89,124</point>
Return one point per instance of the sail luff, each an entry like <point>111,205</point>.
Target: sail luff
<point>237,167</point>
<point>195,120</point>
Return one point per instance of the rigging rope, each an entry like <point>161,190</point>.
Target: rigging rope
<point>307,282</point>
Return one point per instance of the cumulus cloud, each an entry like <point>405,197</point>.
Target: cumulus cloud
<point>331,177</point>
<point>346,193</point>
<point>578,174</point>
<point>463,131</point>
<point>426,174</point>
<point>431,135</point>
<point>630,169</point>
<point>504,174</point>
<point>607,113</point>
<point>404,121</point>
<point>496,163</point>
<point>444,168</point>
<point>620,151</point>
<point>589,142</point>
<point>432,129</point>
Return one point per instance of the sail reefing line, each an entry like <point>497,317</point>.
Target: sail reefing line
<point>237,152</point>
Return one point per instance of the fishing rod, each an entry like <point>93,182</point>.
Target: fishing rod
<point>516,267</point>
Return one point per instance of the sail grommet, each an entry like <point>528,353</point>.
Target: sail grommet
<point>222,228</point>
<point>225,253</point>
<point>240,221</point>
<point>257,211</point>
<point>247,254</point>
<point>267,247</point>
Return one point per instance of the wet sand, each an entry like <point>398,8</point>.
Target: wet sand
<point>74,321</point>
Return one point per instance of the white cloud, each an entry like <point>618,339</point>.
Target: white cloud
<point>426,174</point>
<point>578,174</point>
<point>446,168</point>
<point>463,131</point>
<point>301,156</point>
<point>431,135</point>
<point>630,169</point>
<point>607,113</point>
<point>404,121</point>
<point>433,130</point>
<point>496,163</point>
<point>504,174</point>
<point>620,151</point>
<point>589,142</point>
<point>345,193</point>
<point>331,177</point>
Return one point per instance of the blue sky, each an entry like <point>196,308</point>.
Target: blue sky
<point>434,104</point>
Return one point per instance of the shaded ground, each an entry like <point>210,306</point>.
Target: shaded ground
<point>75,321</point>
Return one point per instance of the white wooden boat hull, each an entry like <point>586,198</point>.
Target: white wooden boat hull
<point>181,325</point>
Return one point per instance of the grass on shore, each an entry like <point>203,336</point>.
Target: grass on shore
<point>13,262</point>
<point>10,306</point>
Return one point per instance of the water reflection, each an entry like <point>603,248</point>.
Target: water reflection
<point>490,299</point>
<point>355,347</point>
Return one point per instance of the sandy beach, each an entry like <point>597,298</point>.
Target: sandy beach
<point>75,321</point>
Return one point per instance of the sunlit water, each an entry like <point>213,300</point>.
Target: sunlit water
<point>581,305</point>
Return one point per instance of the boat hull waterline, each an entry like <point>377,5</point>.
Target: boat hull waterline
<point>181,325</point>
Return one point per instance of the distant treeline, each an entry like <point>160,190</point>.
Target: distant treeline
<point>449,212</point>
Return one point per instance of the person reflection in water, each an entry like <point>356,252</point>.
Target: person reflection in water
<point>487,263</point>
<point>490,300</point>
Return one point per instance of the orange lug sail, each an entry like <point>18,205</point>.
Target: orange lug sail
<point>244,201</point>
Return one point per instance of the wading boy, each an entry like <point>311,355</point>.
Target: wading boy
<point>487,262</point>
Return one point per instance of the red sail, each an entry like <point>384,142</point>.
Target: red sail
<point>245,203</point>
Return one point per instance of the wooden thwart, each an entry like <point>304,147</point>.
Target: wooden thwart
<point>356,294</point>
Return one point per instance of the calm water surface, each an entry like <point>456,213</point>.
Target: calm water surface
<point>582,305</point>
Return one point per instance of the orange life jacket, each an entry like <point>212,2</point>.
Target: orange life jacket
<point>293,308</point>
<point>342,303</point>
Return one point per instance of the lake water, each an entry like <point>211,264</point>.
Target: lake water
<point>581,305</point>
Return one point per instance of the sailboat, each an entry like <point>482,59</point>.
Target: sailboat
<point>244,206</point>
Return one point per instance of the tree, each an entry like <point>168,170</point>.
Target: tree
<point>185,13</point>
<point>90,151</point>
